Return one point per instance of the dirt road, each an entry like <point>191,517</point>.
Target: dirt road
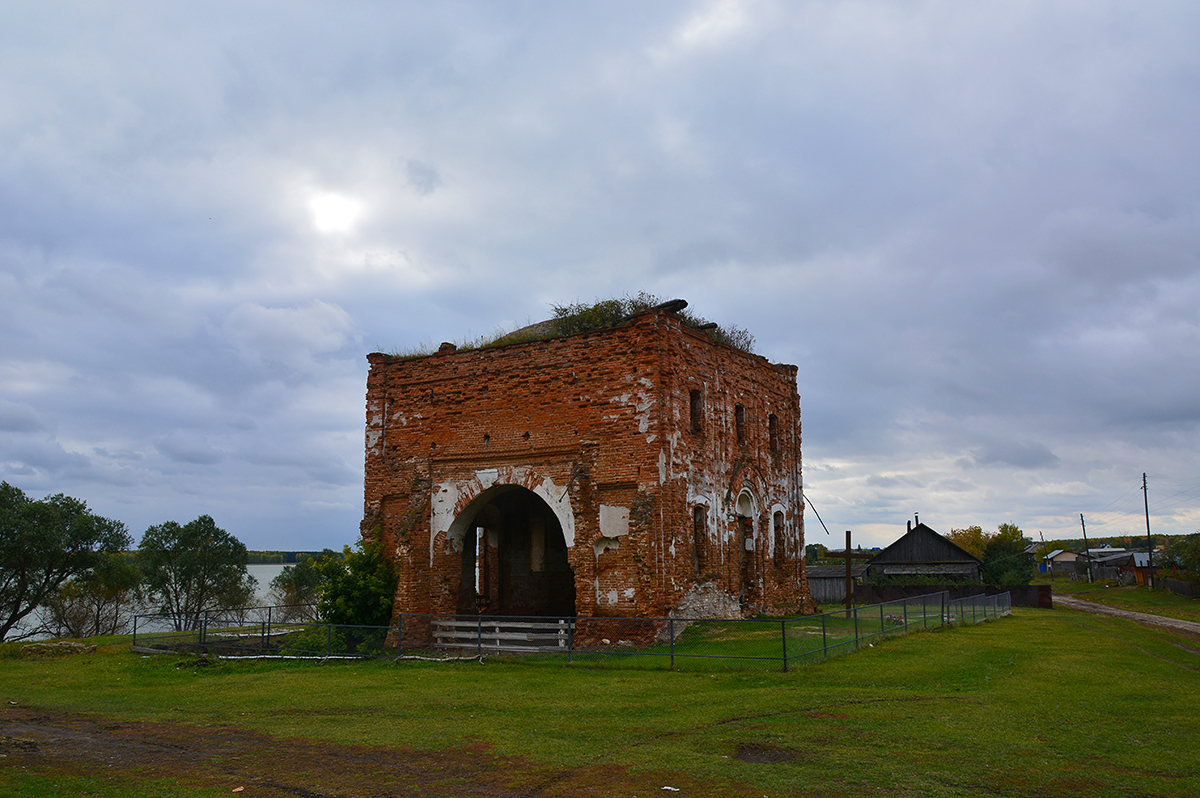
<point>1140,617</point>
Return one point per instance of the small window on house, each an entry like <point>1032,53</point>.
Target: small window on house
<point>697,411</point>
<point>699,536</point>
<point>773,429</point>
<point>739,417</point>
<point>780,540</point>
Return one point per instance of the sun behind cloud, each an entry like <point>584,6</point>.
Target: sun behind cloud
<point>335,213</point>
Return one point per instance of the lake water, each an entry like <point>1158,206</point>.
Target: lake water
<point>264,573</point>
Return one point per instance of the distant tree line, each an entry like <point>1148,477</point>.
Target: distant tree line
<point>67,572</point>
<point>278,557</point>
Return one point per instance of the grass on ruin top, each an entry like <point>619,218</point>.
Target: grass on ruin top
<point>1011,707</point>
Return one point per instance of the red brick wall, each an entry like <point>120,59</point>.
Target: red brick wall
<point>599,425</point>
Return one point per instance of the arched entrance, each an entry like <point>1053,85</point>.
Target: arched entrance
<point>514,556</point>
<point>747,554</point>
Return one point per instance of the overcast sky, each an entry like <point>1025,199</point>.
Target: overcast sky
<point>974,227</point>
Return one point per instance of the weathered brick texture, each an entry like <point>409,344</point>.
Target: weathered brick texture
<point>602,473</point>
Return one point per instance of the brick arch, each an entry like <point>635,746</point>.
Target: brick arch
<point>514,559</point>
<point>452,498</point>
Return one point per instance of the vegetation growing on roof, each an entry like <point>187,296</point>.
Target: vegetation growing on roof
<point>582,317</point>
<point>600,315</point>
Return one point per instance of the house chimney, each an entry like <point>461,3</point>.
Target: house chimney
<point>918,517</point>
<point>909,525</point>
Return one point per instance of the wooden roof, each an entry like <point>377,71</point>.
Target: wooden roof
<point>922,545</point>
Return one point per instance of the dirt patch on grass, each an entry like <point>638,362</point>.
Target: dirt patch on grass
<point>226,758</point>
<point>765,753</point>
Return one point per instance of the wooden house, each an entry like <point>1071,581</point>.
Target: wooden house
<point>922,552</point>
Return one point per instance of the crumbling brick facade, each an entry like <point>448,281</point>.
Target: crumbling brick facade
<point>639,470</point>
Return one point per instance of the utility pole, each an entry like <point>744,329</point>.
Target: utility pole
<point>1086,548</point>
<point>1051,565</point>
<point>1149,540</point>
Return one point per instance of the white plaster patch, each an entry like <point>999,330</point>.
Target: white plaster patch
<point>487,477</point>
<point>642,401</point>
<point>445,498</point>
<point>613,596</point>
<point>628,592</point>
<point>662,466</point>
<point>605,544</point>
<point>614,521</point>
<point>560,503</point>
<point>373,436</point>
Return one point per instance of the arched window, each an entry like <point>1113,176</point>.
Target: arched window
<point>773,430</point>
<point>697,411</point>
<point>699,537</point>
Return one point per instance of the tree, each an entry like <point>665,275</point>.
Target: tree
<point>296,589</point>
<point>98,603</point>
<point>359,590</point>
<point>193,569</point>
<point>44,543</point>
<point>972,539</point>
<point>1184,554</point>
<point>1006,559</point>
<point>359,587</point>
<point>814,552</point>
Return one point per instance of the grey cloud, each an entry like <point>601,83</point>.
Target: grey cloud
<point>188,448</point>
<point>422,177</point>
<point>1027,454</point>
<point>957,223</point>
<point>19,418</point>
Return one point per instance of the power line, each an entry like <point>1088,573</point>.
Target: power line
<point>808,501</point>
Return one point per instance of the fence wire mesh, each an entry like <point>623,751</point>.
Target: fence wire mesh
<point>677,643</point>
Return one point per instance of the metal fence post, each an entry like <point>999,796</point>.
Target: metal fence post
<point>783,634</point>
<point>269,621</point>
<point>479,636</point>
<point>399,634</point>
<point>571,638</point>
<point>135,620</point>
<point>905,606</point>
<point>882,628</point>
<point>824,637</point>
<point>856,643</point>
<point>671,632</point>
<point>328,639</point>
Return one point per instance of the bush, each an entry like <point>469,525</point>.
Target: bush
<point>316,640</point>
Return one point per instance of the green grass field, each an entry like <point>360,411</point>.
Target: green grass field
<point>1048,702</point>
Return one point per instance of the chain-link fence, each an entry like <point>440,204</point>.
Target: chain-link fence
<point>677,643</point>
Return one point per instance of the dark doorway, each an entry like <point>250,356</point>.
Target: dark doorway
<point>515,557</point>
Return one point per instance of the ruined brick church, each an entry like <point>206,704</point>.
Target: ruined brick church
<point>637,471</point>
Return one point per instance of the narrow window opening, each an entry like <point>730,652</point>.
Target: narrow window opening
<point>780,541</point>
<point>697,411</point>
<point>739,415</point>
<point>699,535</point>
<point>773,430</point>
